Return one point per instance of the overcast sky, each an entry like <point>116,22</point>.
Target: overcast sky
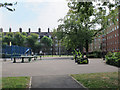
<point>33,14</point>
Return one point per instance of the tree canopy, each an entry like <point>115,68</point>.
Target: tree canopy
<point>83,21</point>
<point>46,43</point>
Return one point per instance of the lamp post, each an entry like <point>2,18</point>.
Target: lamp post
<point>59,48</point>
<point>11,49</point>
<point>52,50</point>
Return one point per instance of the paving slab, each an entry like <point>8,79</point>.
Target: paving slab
<point>55,81</point>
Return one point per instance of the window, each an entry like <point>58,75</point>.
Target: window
<point>117,27</point>
<point>95,47</point>
<point>95,40</point>
<point>56,44</point>
<point>117,19</point>
<point>112,29</point>
<point>99,47</point>
<point>110,24</point>
<point>49,36</point>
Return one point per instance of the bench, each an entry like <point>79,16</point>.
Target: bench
<point>22,57</point>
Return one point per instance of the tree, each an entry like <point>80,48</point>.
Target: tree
<point>38,47</point>
<point>6,5</point>
<point>79,24</point>
<point>9,37</point>
<point>19,39</point>
<point>31,41</point>
<point>57,35</point>
<point>46,43</point>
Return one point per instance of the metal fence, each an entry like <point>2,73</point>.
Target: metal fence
<point>14,50</point>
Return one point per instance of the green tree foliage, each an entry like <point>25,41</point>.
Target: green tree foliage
<point>9,37</point>
<point>19,39</point>
<point>78,26</point>
<point>38,47</point>
<point>46,44</point>
<point>31,41</point>
<point>22,39</point>
<point>7,6</point>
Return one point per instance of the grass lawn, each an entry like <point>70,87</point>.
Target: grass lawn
<point>15,82</point>
<point>98,80</point>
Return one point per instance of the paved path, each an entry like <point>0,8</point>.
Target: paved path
<point>54,81</point>
<point>54,72</point>
<point>54,67</point>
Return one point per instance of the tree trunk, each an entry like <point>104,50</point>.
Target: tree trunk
<point>86,47</point>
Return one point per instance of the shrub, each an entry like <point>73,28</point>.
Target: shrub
<point>92,55</point>
<point>95,54</point>
<point>113,58</point>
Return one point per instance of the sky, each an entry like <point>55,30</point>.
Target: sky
<point>33,14</point>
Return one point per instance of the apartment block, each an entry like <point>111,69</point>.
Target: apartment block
<point>110,40</point>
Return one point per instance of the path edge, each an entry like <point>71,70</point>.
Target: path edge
<point>30,83</point>
<point>78,82</point>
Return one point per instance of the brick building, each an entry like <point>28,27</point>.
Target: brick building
<point>110,40</point>
<point>96,44</point>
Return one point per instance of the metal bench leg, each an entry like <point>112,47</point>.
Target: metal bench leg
<point>35,58</point>
<point>40,57</point>
<point>22,60</point>
<point>29,59</point>
<point>14,60</point>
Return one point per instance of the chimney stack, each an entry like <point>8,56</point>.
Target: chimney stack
<point>39,30</point>
<point>29,30</point>
<point>48,30</point>
<point>20,30</point>
<point>10,30</point>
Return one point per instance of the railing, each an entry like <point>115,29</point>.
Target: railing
<point>14,50</point>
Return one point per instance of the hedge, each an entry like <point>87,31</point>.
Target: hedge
<point>95,54</point>
<point>113,58</point>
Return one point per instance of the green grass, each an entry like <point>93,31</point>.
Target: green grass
<point>15,82</point>
<point>98,80</point>
<point>0,82</point>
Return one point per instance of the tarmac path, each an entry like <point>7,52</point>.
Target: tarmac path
<point>54,72</point>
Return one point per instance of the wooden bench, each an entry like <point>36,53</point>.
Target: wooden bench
<point>22,57</point>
